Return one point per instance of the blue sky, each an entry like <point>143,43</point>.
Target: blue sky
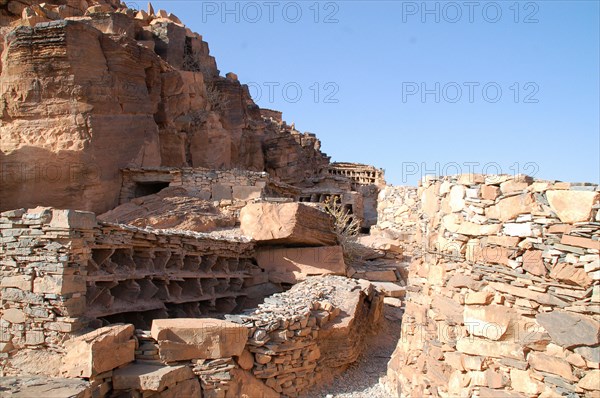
<point>422,87</point>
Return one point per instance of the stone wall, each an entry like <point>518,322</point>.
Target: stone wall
<point>239,186</point>
<point>505,299</point>
<point>293,341</point>
<point>397,216</point>
<point>61,271</point>
<point>43,257</point>
<point>315,328</point>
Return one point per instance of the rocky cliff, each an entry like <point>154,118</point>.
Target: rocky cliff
<point>82,79</point>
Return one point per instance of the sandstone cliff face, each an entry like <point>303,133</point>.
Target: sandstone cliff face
<point>86,92</point>
<point>70,96</point>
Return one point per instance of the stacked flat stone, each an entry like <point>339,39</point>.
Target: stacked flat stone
<point>284,332</point>
<point>397,215</point>
<point>59,269</point>
<point>42,275</point>
<point>146,347</point>
<point>505,300</point>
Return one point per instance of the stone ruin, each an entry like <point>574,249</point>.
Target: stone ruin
<point>503,296</point>
<point>163,236</point>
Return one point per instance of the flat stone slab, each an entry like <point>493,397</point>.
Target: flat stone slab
<point>198,338</point>
<point>47,387</point>
<point>148,377</point>
<point>99,351</point>
<point>569,329</point>
<point>390,289</point>
<point>299,262</point>
<point>287,223</point>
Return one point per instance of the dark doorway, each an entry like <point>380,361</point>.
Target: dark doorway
<point>149,188</point>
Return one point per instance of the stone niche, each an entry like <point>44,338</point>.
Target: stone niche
<point>64,274</point>
<point>62,271</point>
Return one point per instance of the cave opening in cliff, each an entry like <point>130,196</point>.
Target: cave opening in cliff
<point>149,187</point>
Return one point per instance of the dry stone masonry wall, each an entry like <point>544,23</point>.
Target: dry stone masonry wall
<point>239,186</point>
<point>61,270</point>
<point>397,216</point>
<point>505,300</point>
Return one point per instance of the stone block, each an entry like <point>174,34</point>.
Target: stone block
<point>190,338</point>
<point>301,262</point>
<point>14,315</point>
<point>246,193</point>
<point>22,282</point>
<point>572,206</point>
<point>509,208</point>
<point>591,381</point>
<point>221,192</point>
<point>551,364</point>
<point>187,388</point>
<point>569,329</point>
<point>149,377</point>
<point>287,223</point>
<point>390,289</point>
<point>494,349</point>
<point>580,242</point>
<point>99,351</point>
<point>72,219</point>
<point>59,284</point>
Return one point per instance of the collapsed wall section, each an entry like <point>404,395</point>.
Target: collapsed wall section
<point>292,341</point>
<point>504,300</point>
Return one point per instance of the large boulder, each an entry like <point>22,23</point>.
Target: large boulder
<point>287,223</point>
<point>99,351</point>
<point>190,338</point>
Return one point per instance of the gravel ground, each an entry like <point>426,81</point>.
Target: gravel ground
<point>361,379</point>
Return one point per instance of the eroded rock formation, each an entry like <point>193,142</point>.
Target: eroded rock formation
<point>85,81</point>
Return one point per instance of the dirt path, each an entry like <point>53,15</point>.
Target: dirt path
<point>361,379</point>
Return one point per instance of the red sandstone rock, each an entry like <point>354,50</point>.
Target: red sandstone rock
<point>93,82</point>
<point>508,208</point>
<point>99,351</point>
<point>147,377</point>
<point>287,223</point>
<point>245,384</point>
<point>189,338</point>
<point>572,206</point>
<point>172,208</point>
<point>294,264</point>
